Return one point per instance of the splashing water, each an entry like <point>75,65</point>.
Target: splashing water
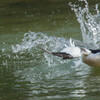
<point>32,40</point>
<point>89,24</point>
<point>90,28</point>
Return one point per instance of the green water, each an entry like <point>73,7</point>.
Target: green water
<point>27,77</point>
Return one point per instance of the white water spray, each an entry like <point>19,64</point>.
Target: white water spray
<point>89,24</point>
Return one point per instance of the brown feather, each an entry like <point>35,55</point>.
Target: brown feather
<point>63,55</point>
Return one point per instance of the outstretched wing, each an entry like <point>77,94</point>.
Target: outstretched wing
<point>59,54</point>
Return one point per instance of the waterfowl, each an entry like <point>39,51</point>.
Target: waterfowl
<point>89,56</point>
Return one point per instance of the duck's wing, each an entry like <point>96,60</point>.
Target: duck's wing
<point>62,55</point>
<point>59,54</point>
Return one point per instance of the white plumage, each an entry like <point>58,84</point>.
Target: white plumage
<point>72,50</point>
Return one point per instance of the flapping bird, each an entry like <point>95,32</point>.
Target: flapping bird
<point>89,56</point>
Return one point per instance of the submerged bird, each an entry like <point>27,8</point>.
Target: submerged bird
<point>89,56</point>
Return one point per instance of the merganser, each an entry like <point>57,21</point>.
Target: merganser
<point>89,56</point>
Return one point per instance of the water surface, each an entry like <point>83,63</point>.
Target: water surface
<point>26,72</point>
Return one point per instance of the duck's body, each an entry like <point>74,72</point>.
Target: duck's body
<point>89,56</point>
<point>93,59</point>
